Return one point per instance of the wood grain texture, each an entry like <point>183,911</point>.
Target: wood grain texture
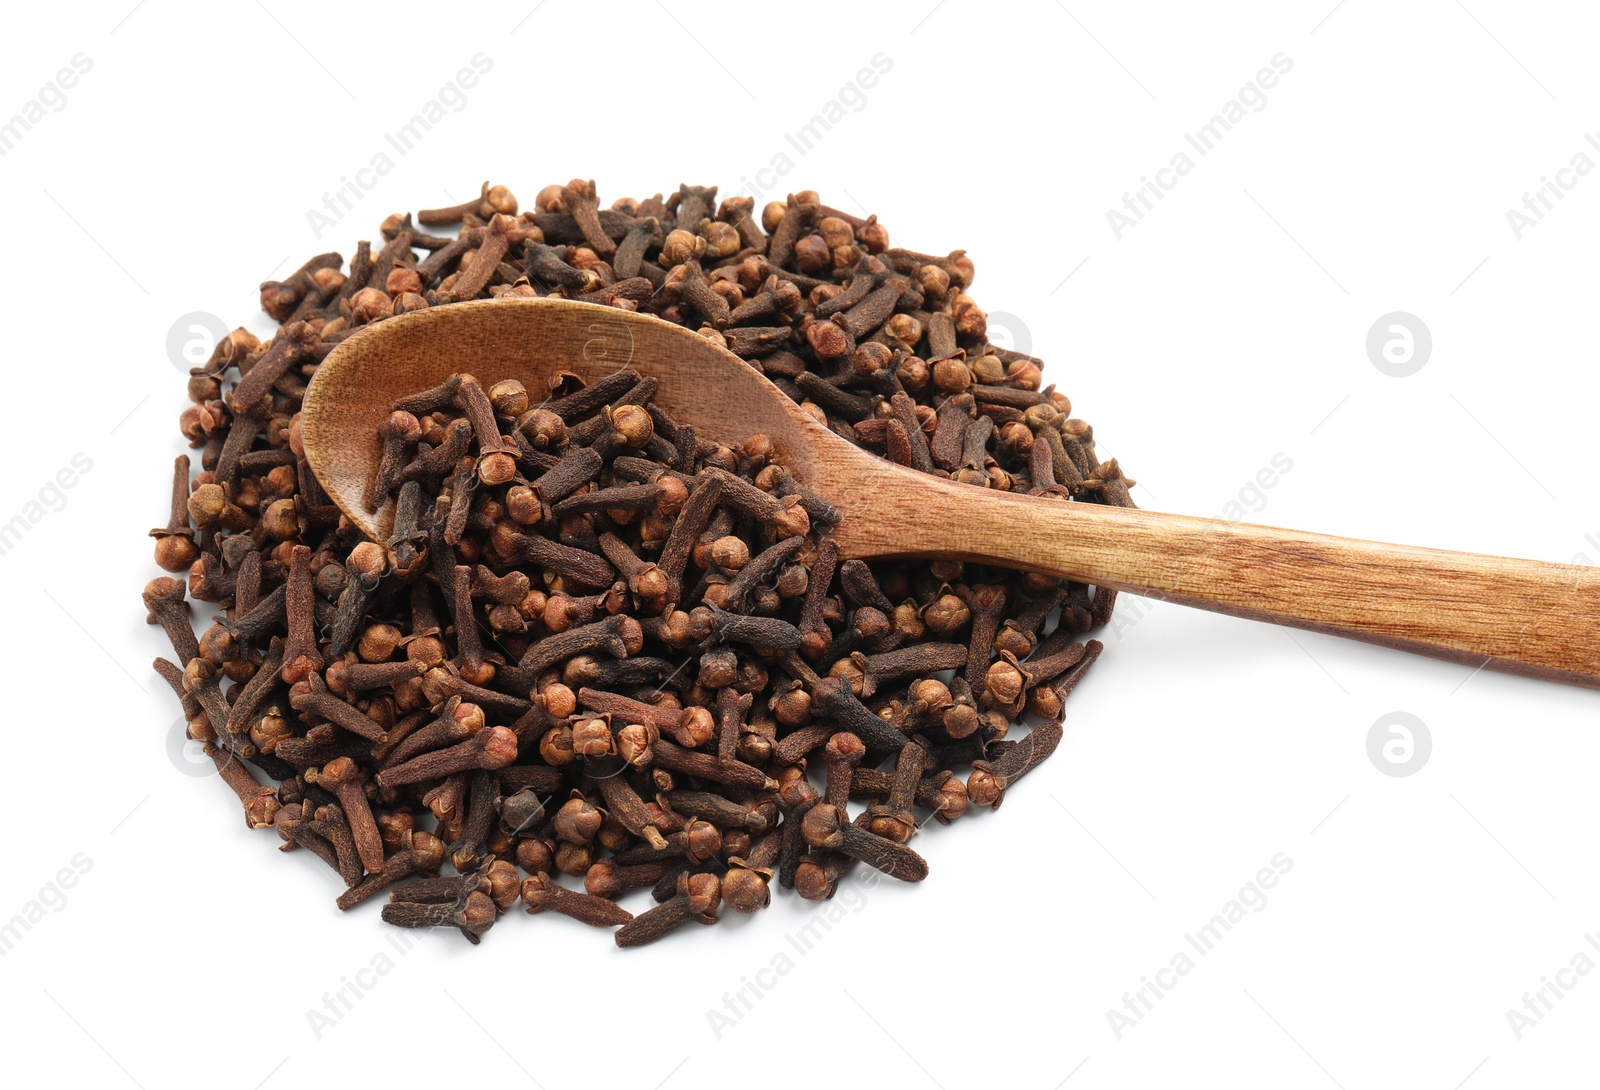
<point>1517,615</point>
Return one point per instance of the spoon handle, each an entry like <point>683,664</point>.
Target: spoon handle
<point>1521,616</point>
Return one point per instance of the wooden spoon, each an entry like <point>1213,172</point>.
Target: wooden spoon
<point>1521,616</point>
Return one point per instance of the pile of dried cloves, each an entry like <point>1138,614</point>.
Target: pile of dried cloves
<point>595,646</point>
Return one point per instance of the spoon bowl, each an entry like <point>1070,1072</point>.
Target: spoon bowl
<point>1522,616</point>
<point>725,398</point>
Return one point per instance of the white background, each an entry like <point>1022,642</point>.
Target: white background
<point>1227,327</point>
